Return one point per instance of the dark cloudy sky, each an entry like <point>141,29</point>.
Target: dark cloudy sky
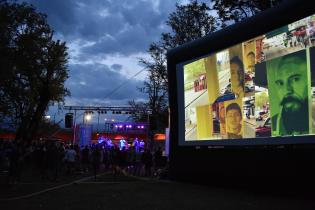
<point>105,40</point>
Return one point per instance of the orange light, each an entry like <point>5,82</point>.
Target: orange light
<point>159,137</point>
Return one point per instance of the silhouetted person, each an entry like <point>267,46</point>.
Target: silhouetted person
<point>96,160</point>
<point>85,158</point>
<point>147,161</point>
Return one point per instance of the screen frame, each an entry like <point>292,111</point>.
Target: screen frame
<point>262,23</point>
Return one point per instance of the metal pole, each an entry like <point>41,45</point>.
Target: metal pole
<point>148,132</point>
<point>98,121</point>
<point>74,128</point>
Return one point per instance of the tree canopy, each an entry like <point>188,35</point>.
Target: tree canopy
<point>231,11</point>
<point>33,67</point>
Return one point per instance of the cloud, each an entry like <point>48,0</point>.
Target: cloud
<point>123,26</point>
<point>99,82</point>
<point>62,15</point>
<point>116,67</point>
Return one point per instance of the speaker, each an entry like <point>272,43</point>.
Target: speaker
<point>68,120</point>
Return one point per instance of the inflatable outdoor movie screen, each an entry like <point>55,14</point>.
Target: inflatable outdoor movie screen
<point>263,87</point>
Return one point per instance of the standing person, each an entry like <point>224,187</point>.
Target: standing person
<point>115,160</point>
<point>106,158</point>
<point>137,163</point>
<point>60,153</point>
<point>136,144</point>
<point>43,160</point>
<point>52,160</point>
<point>14,155</point>
<point>131,160</point>
<point>96,159</point>
<point>141,145</point>
<point>147,161</point>
<point>85,153</point>
<point>70,158</point>
<point>158,159</point>
<point>234,121</point>
<point>123,160</point>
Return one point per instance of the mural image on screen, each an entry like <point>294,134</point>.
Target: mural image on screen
<point>263,87</point>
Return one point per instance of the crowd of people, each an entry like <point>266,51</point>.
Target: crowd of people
<point>51,160</point>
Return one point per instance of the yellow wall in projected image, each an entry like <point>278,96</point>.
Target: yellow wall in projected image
<point>204,122</point>
<point>212,78</point>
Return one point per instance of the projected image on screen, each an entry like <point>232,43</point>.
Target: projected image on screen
<point>264,87</point>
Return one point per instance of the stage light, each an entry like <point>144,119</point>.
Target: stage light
<point>88,117</point>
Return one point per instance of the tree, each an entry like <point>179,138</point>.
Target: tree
<point>188,23</point>
<point>156,87</point>
<point>140,111</point>
<point>261,99</point>
<point>232,11</point>
<point>33,67</point>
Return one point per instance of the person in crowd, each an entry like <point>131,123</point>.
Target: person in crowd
<point>115,154</point>
<point>14,167</point>
<point>137,163</point>
<point>106,158</point>
<point>70,158</point>
<point>157,159</point>
<point>96,159</point>
<point>146,160</point>
<point>123,160</point>
<point>85,158</point>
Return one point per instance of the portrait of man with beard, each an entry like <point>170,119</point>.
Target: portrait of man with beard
<point>288,85</point>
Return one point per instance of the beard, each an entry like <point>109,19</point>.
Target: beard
<point>292,104</point>
<point>295,115</point>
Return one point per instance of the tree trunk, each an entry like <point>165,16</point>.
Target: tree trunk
<point>37,117</point>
